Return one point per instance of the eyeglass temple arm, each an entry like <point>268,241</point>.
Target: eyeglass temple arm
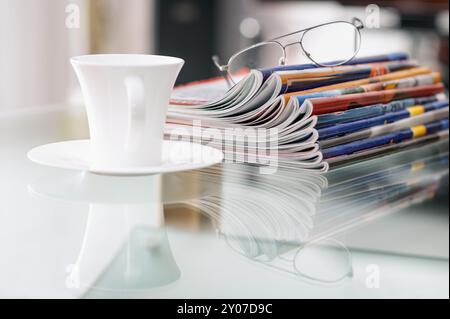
<point>223,69</point>
<point>359,25</point>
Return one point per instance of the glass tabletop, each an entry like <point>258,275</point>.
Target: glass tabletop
<point>377,228</point>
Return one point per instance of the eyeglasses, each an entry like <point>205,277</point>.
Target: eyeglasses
<point>341,38</point>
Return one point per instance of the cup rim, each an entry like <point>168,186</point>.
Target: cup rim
<point>125,60</point>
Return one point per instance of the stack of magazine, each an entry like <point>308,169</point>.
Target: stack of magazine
<point>316,117</point>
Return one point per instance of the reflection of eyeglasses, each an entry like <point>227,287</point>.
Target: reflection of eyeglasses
<point>340,38</point>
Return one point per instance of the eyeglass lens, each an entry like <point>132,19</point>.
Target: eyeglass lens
<point>332,42</point>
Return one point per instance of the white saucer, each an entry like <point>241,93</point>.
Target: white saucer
<point>177,156</point>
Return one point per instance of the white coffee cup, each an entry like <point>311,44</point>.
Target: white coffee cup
<point>126,97</point>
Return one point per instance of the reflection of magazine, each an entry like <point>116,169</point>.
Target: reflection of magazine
<point>313,109</point>
<point>311,207</point>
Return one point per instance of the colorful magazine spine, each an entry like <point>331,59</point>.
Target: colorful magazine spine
<point>387,149</point>
<point>393,138</point>
<point>351,101</point>
<point>369,111</point>
<point>421,119</point>
<point>301,80</point>
<point>347,128</point>
<point>376,79</point>
<point>425,79</point>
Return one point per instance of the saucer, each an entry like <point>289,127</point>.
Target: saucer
<point>177,156</point>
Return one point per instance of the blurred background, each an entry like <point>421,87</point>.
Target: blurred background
<point>38,37</point>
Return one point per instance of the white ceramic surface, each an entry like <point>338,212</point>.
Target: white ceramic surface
<point>126,98</point>
<point>176,156</point>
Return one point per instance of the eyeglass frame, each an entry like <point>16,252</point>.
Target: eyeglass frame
<point>356,22</point>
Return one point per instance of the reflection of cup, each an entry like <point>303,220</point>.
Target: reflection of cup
<point>125,245</point>
<point>125,248</point>
<point>126,98</point>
